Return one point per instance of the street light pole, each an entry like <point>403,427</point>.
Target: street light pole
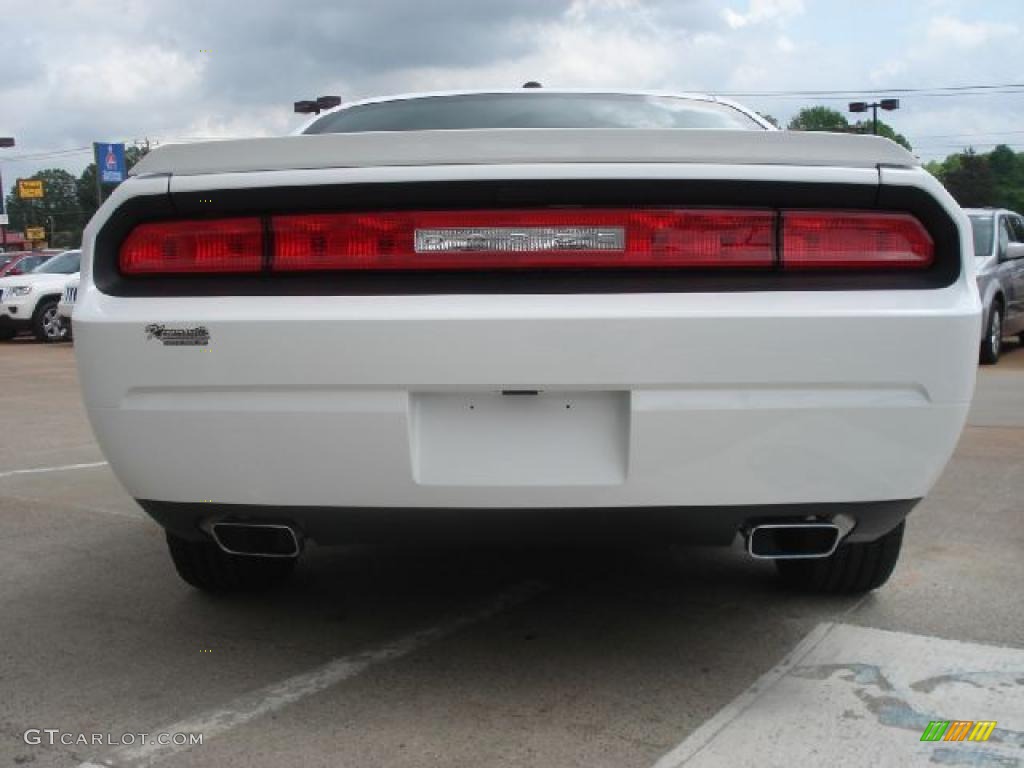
<point>864,106</point>
<point>5,141</point>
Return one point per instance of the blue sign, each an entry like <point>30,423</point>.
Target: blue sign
<point>110,162</point>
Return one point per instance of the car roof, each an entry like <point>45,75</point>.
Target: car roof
<point>988,211</point>
<point>535,91</point>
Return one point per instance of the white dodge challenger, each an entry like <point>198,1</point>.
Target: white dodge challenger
<point>616,311</point>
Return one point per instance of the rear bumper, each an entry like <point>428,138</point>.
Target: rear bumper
<point>659,400</point>
<point>694,525</point>
<point>17,323</point>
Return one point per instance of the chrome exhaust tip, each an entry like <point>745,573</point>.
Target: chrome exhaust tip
<point>792,541</point>
<point>256,539</point>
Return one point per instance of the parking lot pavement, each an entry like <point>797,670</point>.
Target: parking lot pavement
<point>397,657</point>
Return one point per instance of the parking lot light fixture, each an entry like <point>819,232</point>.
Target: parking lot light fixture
<point>863,106</point>
<point>317,105</point>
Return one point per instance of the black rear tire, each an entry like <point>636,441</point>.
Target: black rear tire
<point>992,344</point>
<point>851,569</point>
<point>205,566</point>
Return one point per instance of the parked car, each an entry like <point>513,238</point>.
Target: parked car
<point>21,262</point>
<point>29,301</point>
<point>999,260</point>
<point>537,305</point>
<point>67,304</point>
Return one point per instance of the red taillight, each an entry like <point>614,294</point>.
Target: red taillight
<point>197,246</point>
<point>854,240</point>
<point>566,238</point>
<point>524,239</point>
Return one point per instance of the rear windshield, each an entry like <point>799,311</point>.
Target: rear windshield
<point>983,227</point>
<point>534,110</point>
<point>65,264</point>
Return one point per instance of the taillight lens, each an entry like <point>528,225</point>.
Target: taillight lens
<point>568,238</point>
<point>854,240</point>
<point>196,246</point>
<point>524,239</point>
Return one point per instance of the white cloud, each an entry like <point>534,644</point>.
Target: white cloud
<point>126,69</point>
<point>784,44</point>
<point>121,76</point>
<point>948,30</point>
<point>759,11</point>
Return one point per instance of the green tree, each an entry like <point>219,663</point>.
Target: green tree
<point>828,119</point>
<point>1004,163</point>
<point>769,118</point>
<point>884,129</point>
<point>68,204</point>
<point>1008,170</point>
<point>971,182</point>
<point>58,211</point>
<point>992,179</point>
<point>819,119</point>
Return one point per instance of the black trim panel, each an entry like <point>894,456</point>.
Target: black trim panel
<point>508,194</point>
<point>695,525</point>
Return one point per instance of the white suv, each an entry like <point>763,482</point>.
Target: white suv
<point>29,301</point>
<point>66,306</point>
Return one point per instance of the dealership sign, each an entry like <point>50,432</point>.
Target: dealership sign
<point>30,189</point>
<point>110,162</point>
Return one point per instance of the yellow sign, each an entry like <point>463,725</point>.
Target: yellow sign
<point>35,233</point>
<point>29,189</point>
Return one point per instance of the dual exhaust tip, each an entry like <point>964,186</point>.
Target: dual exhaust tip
<point>792,541</point>
<point>765,541</point>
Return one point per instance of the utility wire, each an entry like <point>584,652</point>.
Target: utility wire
<point>933,90</point>
<point>843,96</point>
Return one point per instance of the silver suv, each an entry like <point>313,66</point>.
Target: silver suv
<point>999,251</point>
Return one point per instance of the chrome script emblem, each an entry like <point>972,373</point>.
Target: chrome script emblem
<point>178,337</point>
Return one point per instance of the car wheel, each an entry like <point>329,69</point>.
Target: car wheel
<point>205,566</point>
<point>851,569</point>
<point>992,344</point>
<point>46,322</point>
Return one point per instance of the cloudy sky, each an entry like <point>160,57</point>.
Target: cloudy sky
<point>124,70</point>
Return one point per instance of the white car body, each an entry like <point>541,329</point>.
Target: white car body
<point>717,405</point>
<point>21,295</point>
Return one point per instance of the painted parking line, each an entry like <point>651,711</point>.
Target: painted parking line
<point>855,696</point>
<point>273,697</point>
<point>42,470</point>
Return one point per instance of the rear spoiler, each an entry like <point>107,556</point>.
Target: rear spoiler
<point>525,146</point>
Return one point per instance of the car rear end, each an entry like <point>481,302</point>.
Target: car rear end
<point>711,331</point>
